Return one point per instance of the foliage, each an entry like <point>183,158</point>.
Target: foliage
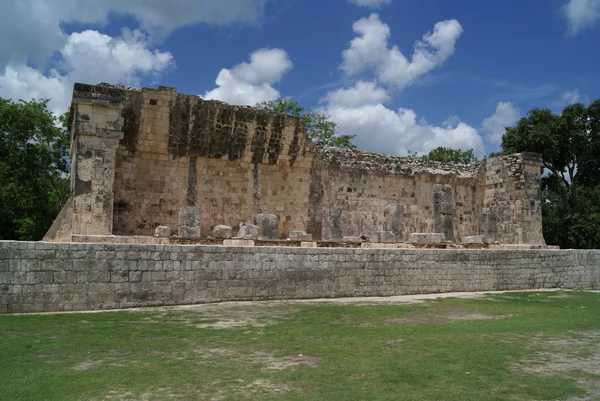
<point>33,168</point>
<point>491,348</point>
<point>447,155</point>
<point>569,143</point>
<point>318,125</point>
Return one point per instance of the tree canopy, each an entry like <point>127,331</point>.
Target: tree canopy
<point>569,143</point>
<point>33,168</point>
<point>318,125</point>
<point>449,155</point>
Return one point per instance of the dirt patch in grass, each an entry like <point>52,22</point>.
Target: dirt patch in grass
<point>568,356</point>
<point>449,315</point>
<point>87,365</point>
<point>269,361</point>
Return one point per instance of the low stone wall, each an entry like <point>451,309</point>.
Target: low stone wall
<point>37,277</point>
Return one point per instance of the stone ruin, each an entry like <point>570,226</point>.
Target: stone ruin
<point>156,165</point>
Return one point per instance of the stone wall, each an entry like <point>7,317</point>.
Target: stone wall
<point>37,277</point>
<point>140,155</point>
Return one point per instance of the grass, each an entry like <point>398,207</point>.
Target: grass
<point>512,346</point>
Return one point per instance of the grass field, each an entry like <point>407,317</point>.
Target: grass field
<point>510,346</point>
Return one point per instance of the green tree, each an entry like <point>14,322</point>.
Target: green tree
<point>33,168</point>
<point>569,143</point>
<point>449,155</point>
<point>318,125</point>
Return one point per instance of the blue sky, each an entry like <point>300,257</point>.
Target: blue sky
<point>400,74</point>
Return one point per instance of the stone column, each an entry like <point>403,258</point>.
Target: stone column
<point>443,210</point>
<point>95,127</point>
<point>332,224</point>
<point>394,220</point>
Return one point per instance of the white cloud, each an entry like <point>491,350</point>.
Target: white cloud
<point>87,56</point>
<point>570,97</point>
<point>370,49</point>
<point>581,14</point>
<point>251,83</point>
<point>362,93</point>
<point>382,130</point>
<point>506,115</point>
<point>34,26</point>
<point>371,3</point>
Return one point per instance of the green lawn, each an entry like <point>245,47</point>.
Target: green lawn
<point>512,346</point>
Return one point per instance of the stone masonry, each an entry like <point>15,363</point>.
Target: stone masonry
<point>36,277</point>
<point>141,155</point>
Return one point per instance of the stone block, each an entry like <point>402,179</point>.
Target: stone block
<point>394,219</point>
<point>353,240</point>
<point>238,242</point>
<point>268,225</point>
<point>189,222</point>
<point>370,236</point>
<point>426,238</point>
<point>473,239</point>
<point>222,231</point>
<point>162,231</point>
<point>332,224</point>
<point>308,244</point>
<point>248,231</point>
<point>378,236</point>
<point>299,236</point>
<point>387,237</point>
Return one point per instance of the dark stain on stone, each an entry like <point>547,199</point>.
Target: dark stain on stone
<point>295,145</point>
<point>256,189</point>
<point>179,125</point>
<point>274,147</point>
<point>315,202</point>
<point>192,193</point>
<point>237,145</point>
<point>259,139</point>
<point>131,121</point>
<point>82,187</point>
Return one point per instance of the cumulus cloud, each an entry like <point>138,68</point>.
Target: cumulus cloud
<point>251,83</point>
<point>371,3</point>
<point>87,56</point>
<point>362,93</point>
<point>581,14</point>
<point>34,26</point>
<point>506,115</point>
<point>371,50</point>
<point>383,130</point>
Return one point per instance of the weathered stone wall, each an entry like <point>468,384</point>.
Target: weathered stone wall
<point>38,277</point>
<point>140,155</point>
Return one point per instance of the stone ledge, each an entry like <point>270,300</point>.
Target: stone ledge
<point>238,242</point>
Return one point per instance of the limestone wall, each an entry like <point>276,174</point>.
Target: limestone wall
<point>37,277</point>
<point>140,155</point>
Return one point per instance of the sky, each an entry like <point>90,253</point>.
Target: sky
<point>401,75</point>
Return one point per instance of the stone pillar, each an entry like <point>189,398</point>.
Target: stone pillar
<point>96,129</point>
<point>189,222</point>
<point>332,224</point>
<point>443,210</point>
<point>268,225</point>
<point>394,219</point>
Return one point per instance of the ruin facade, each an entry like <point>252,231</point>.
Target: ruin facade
<point>141,155</point>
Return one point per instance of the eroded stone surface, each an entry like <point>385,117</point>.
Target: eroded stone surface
<point>268,225</point>
<point>189,222</point>
<point>474,239</point>
<point>426,238</point>
<point>222,231</point>
<point>248,231</point>
<point>299,236</point>
<point>162,231</point>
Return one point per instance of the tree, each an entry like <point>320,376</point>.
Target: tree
<point>449,155</point>
<point>33,169</point>
<point>569,143</point>
<point>318,125</point>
